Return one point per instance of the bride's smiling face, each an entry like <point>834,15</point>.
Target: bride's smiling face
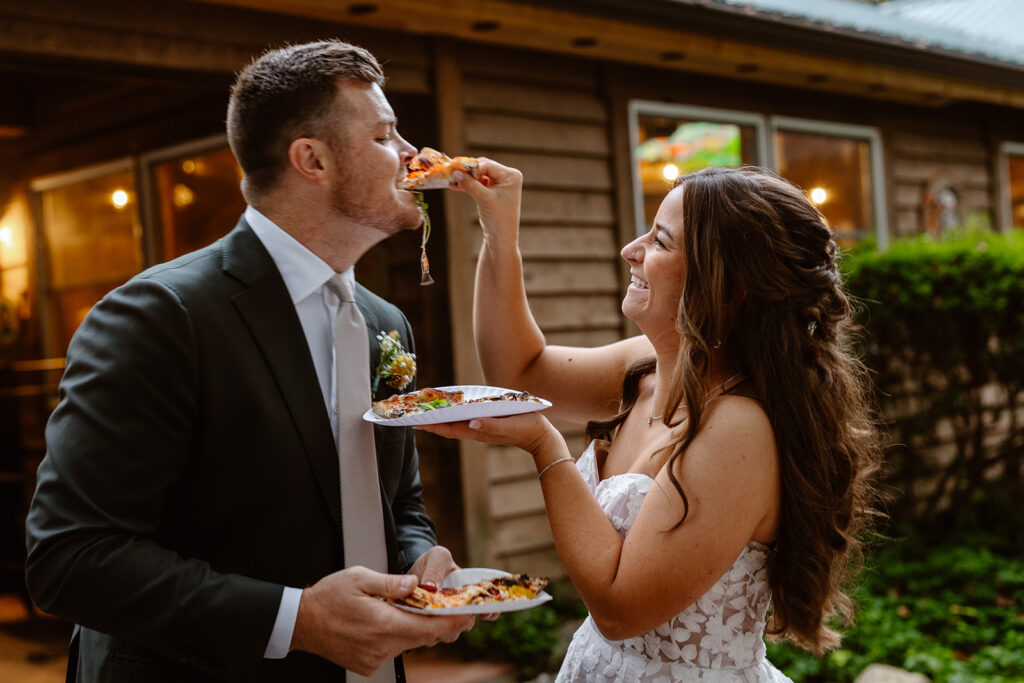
<point>656,269</point>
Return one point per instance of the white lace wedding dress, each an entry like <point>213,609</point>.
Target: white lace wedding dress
<point>717,639</point>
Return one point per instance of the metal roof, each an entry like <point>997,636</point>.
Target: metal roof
<point>990,30</point>
<point>1000,21</point>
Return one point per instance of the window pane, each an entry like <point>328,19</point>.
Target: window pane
<point>199,199</point>
<point>92,231</point>
<point>671,146</point>
<point>92,245</point>
<point>835,173</point>
<point>1016,165</point>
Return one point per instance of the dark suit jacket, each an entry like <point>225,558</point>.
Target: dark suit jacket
<point>191,473</point>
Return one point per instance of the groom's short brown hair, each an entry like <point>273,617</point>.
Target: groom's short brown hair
<point>288,93</point>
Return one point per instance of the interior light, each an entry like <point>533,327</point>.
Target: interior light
<point>6,236</point>
<point>670,172</point>
<point>818,195</point>
<point>119,199</point>
<point>183,195</point>
<point>188,166</point>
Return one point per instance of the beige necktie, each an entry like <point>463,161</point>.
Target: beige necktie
<point>362,520</point>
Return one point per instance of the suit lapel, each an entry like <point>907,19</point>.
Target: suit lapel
<point>268,312</point>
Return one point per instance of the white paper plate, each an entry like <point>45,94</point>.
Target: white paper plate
<point>465,411</point>
<point>460,577</point>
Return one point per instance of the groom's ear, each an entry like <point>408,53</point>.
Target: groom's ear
<point>308,157</point>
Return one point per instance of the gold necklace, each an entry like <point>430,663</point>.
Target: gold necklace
<point>653,417</point>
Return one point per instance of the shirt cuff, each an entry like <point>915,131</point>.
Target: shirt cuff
<point>284,626</point>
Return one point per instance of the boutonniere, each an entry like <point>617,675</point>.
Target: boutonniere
<point>397,366</point>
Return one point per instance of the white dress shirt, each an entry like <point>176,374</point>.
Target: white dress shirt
<point>305,276</point>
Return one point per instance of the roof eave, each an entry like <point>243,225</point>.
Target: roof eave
<point>802,35</point>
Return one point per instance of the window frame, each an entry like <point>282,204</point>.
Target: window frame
<point>763,152</point>
<point>153,232</point>
<point>850,131</point>
<point>37,186</point>
<point>1007,148</point>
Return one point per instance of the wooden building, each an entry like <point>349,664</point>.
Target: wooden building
<point>112,158</point>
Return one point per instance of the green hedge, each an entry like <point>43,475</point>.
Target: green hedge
<point>944,340</point>
<point>952,610</point>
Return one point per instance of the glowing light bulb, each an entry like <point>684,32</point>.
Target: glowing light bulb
<point>818,195</point>
<point>183,195</point>
<point>188,166</point>
<point>670,172</point>
<point>119,199</point>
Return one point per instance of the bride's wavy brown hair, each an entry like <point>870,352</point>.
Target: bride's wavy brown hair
<point>761,280</point>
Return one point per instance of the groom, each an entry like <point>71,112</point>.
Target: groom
<point>188,515</point>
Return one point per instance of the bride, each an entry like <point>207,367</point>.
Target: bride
<point>731,447</point>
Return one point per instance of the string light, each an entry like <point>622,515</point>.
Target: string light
<point>670,172</point>
<point>119,199</point>
<point>818,195</point>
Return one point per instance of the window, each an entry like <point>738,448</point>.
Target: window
<point>1012,184</point>
<point>196,195</point>
<point>839,168</point>
<point>671,140</point>
<point>92,242</point>
<point>92,223</point>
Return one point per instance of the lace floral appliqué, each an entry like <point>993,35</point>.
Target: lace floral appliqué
<point>718,639</point>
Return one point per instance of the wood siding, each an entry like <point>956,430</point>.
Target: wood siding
<point>922,153</point>
<point>548,118</point>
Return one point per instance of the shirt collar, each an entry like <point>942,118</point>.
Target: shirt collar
<point>304,273</point>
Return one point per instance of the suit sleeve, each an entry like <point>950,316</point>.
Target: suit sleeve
<point>415,530</point>
<point>117,445</point>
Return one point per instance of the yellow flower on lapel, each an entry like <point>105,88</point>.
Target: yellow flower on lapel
<point>397,366</point>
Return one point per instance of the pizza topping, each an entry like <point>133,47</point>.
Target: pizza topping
<point>425,278</point>
<point>414,402</point>
<point>432,170</point>
<point>498,589</point>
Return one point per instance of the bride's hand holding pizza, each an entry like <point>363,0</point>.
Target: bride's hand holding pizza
<point>497,191</point>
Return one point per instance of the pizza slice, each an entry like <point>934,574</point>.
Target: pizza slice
<point>507,396</point>
<point>432,170</point>
<point>498,589</point>
<point>401,405</point>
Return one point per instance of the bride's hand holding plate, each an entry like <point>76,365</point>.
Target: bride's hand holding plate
<point>532,432</point>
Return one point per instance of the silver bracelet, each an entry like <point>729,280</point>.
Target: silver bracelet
<point>550,465</point>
